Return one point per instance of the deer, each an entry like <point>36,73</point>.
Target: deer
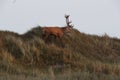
<point>58,32</point>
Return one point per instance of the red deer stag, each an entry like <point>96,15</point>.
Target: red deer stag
<point>57,31</point>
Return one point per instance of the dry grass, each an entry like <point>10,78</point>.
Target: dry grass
<point>79,57</point>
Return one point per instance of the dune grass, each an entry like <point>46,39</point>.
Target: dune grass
<point>80,57</point>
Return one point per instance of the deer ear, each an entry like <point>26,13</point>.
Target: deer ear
<point>66,16</point>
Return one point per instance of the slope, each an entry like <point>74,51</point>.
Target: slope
<point>78,51</point>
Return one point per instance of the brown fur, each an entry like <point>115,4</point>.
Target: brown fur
<point>56,31</point>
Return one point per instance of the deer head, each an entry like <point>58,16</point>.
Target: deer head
<point>68,22</point>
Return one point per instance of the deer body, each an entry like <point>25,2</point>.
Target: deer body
<point>56,31</point>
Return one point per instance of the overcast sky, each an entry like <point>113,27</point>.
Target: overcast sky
<point>88,16</point>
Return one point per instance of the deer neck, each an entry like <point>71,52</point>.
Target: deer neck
<point>66,29</point>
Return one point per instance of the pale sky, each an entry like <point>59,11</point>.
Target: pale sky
<point>88,16</point>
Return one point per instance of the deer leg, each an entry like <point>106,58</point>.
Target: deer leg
<point>61,40</point>
<point>45,37</point>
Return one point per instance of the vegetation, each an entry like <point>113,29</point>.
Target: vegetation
<point>80,56</point>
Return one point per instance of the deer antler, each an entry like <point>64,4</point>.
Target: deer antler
<point>67,20</point>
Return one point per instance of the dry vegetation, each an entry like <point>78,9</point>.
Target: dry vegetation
<point>80,57</point>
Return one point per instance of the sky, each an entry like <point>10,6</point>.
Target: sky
<point>89,16</point>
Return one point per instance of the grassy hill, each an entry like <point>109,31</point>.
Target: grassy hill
<point>79,56</point>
